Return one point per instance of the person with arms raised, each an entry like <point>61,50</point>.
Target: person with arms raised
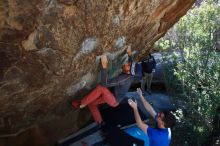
<point>101,93</point>
<point>161,135</point>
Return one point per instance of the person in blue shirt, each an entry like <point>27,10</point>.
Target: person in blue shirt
<point>161,135</point>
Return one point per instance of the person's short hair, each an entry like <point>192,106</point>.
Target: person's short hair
<point>169,119</point>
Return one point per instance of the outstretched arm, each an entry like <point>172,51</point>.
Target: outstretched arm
<point>104,62</point>
<point>104,59</point>
<point>137,117</point>
<point>129,52</point>
<point>105,81</point>
<point>147,105</point>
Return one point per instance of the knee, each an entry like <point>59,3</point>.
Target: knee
<point>116,104</point>
<point>99,86</point>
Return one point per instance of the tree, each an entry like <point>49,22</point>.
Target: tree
<point>197,72</point>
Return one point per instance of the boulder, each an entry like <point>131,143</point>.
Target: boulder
<point>50,52</point>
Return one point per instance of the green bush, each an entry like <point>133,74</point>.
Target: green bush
<point>194,76</point>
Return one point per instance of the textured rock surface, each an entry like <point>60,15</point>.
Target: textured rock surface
<point>49,52</point>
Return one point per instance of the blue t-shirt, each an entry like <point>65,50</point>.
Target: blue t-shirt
<point>159,137</point>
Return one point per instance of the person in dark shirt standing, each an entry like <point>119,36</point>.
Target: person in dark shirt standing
<point>101,93</point>
<point>148,67</point>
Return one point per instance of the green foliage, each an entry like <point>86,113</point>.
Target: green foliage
<point>200,77</point>
<point>194,74</point>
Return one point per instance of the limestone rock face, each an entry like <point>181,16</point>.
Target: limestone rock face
<point>49,55</point>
